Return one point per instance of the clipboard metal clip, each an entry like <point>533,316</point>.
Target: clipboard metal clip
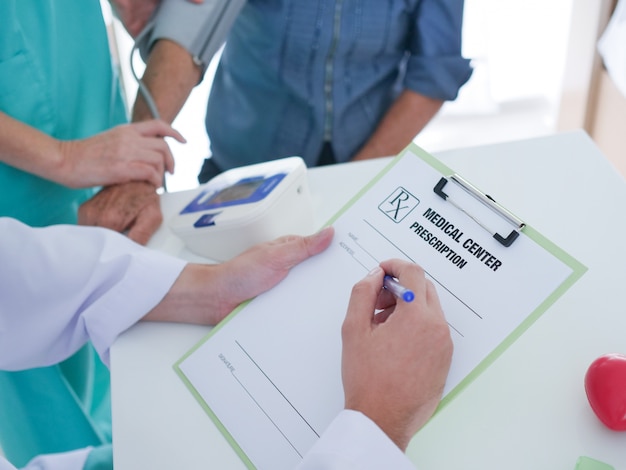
<point>487,201</point>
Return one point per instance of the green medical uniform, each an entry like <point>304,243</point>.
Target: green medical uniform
<point>55,75</point>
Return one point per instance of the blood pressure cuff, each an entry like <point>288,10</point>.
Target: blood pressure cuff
<point>200,28</point>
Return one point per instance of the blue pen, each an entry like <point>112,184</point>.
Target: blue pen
<point>398,289</point>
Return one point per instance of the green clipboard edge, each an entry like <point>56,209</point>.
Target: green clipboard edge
<point>578,269</point>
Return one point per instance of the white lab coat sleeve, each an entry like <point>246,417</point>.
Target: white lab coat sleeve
<point>4,465</point>
<point>62,461</point>
<point>354,441</point>
<point>63,285</point>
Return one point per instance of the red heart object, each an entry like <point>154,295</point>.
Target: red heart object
<point>605,384</point>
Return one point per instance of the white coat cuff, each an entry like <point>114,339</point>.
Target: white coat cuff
<point>354,441</point>
<point>74,460</point>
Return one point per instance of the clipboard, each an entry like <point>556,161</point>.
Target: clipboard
<point>273,390</point>
<point>488,201</point>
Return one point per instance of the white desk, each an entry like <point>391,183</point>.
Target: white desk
<point>527,411</point>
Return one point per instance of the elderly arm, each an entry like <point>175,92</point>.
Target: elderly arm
<point>170,76</point>
<point>406,118</point>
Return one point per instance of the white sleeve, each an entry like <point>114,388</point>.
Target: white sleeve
<point>63,285</point>
<point>62,461</point>
<point>354,441</point>
<point>4,465</point>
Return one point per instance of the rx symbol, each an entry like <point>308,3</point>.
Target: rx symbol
<point>399,204</point>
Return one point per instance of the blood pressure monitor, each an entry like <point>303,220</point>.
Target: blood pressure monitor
<point>245,206</point>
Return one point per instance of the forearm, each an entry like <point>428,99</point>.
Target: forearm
<point>207,293</point>
<point>170,76</point>
<point>408,115</point>
<point>28,149</point>
<point>194,298</point>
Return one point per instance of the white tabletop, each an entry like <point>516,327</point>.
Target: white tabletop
<point>528,410</point>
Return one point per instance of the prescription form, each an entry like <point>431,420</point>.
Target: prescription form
<point>270,374</point>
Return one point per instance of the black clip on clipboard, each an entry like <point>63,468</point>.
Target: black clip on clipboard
<point>487,201</point>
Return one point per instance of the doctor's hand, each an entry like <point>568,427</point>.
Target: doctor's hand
<point>129,152</point>
<point>133,208</point>
<point>395,362</point>
<point>205,293</point>
<point>263,266</point>
<point>134,14</point>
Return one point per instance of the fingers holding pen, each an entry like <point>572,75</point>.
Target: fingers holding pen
<point>364,300</point>
<point>413,277</point>
<point>409,275</point>
<point>395,360</point>
<point>374,304</point>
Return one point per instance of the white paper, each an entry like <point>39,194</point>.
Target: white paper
<point>271,374</point>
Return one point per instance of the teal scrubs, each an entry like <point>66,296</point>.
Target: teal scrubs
<point>55,75</point>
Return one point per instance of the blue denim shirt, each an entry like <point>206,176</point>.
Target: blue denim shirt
<point>296,73</point>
